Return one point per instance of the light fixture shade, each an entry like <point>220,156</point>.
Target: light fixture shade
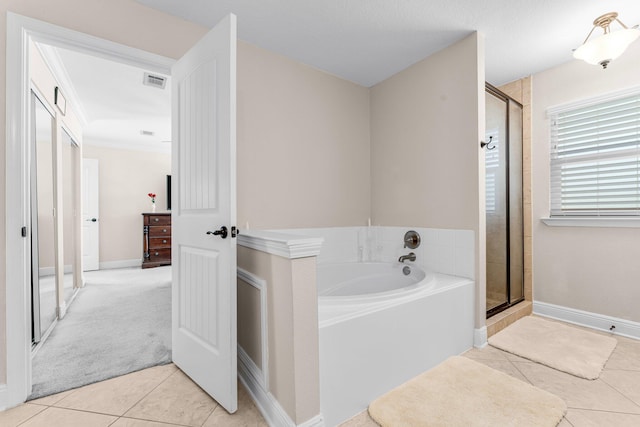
<point>607,47</point>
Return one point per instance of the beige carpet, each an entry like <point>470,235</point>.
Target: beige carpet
<point>461,392</point>
<point>565,348</point>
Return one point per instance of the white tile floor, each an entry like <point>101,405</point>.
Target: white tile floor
<point>164,396</point>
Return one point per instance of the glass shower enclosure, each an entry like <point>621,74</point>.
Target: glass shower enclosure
<point>504,208</point>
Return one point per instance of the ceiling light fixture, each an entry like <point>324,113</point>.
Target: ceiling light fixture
<point>604,49</point>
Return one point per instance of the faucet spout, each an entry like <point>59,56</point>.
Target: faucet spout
<point>411,257</point>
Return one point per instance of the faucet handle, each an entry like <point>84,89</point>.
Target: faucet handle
<point>411,239</point>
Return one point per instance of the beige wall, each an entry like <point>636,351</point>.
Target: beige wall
<point>586,268</point>
<point>303,145</point>
<point>125,178</point>
<point>292,323</point>
<point>250,322</point>
<point>425,120</point>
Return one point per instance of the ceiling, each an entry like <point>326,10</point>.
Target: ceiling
<point>114,106</point>
<point>367,41</point>
<point>364,41</point>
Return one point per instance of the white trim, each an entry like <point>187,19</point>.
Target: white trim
<point>62,310</point>
<point>585,102</point>
<point>123,263</point>
<point>59,71</point>
<point>601,322</point>
<point>3,397</point>
<point>261,285</point>
<point>592,222</point>
<point>285,245</point>
<point>18,294</point>
<point>480,337</point>
<point>255,372</point>
<point>317,421</point>
<point>50,271</point>
<point>267,404</point>
<point>156,147</point>
<point>20,30</point>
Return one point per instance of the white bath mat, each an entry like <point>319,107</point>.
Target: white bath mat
<point>462,393</point>
<point>559,346</point>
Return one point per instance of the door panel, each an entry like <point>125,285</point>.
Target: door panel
<point>90,216</point>
<point>204,264</point>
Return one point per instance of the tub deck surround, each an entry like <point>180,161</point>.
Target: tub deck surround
<point>368,341</point>
<point>443,251</point>
<point>277,276</point>
<point>283,244</point>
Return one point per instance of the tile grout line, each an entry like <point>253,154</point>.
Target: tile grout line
<point>521,373</point>
<point>567,419</point>
<point>150,391</point>
<point>621,393</point>
<point>605,411</point>
<point>34,415</point>
<point>108,414</point>
<point>151,421</point>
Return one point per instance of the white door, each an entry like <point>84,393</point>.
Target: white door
<point>90,216</point>
<point>204,196</point>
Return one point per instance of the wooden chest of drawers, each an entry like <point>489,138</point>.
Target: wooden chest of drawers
<point>156,242</point>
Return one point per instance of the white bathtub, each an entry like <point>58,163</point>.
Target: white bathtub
<point>379,328</point>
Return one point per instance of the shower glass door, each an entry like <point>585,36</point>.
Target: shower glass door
<point>504,212</point>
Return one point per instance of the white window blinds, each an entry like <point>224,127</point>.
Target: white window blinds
<point>595,159</point>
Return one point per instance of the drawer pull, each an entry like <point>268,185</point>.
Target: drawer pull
<point>164,230</point>
<point>156,219</point>
<point>164,241</point>
<point>157,253</point>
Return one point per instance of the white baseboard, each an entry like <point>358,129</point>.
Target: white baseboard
<point>123,263</point>
<point>50,271</point>
<point>3,397</point>
<point>266,403</point>
<point>62,310</point>
<point>480,337</point>
<point>601,322</point>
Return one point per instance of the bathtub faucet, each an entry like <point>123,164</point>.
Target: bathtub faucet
<point>410,257</point>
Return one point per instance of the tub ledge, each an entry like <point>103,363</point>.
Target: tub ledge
<point>289,246</point>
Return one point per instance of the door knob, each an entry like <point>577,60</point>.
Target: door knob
<point>92,219</point>
<point>222,232</point>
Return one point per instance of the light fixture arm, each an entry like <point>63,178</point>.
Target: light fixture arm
<point>602,50</point>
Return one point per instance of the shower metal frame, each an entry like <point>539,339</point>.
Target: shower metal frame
<point>492,90</point>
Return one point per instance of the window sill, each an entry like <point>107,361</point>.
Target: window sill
<point>592,222</point>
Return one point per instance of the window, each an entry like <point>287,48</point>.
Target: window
<point>595,158</point>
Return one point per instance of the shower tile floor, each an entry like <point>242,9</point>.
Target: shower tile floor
<point>163,396</point>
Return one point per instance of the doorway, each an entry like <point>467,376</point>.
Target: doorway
<point>21,32</point>
<point>504,203</point>
<point>215,56</point>
<point>98,339</point>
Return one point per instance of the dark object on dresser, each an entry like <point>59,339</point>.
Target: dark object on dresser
<point>156,239</point>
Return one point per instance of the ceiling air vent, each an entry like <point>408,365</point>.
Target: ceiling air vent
<point>155,81</point>
<point>146,133</point>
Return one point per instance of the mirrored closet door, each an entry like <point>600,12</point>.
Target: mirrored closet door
<point>43,278</point>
